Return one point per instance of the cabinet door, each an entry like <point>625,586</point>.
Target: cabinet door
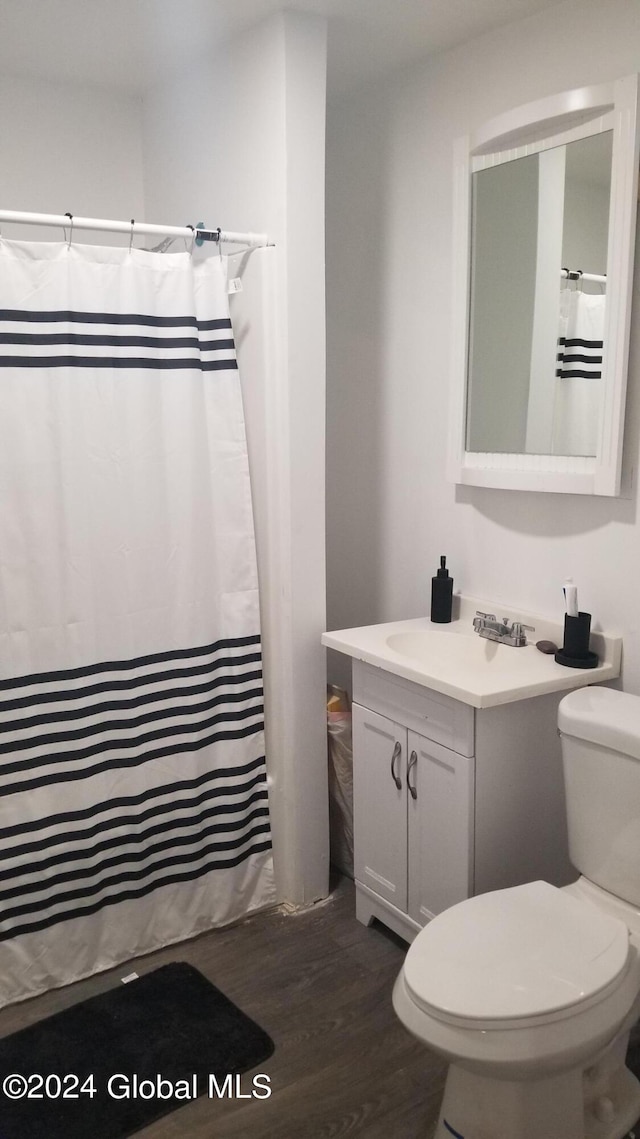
<point>440,820</point>
<point>380,805</point>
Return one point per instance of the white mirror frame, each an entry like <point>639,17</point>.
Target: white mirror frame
<point>527,130</point>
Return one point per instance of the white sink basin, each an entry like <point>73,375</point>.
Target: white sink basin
<point>452,651</point>
<point>455,660</point>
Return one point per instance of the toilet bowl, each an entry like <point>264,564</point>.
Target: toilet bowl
<point>530,992</point>
<point>522,990</point>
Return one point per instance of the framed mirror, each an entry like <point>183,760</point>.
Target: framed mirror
<point>545,214</point>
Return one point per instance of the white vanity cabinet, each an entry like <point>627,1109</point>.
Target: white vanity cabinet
<point>458,785</point>
<point>450,800</point>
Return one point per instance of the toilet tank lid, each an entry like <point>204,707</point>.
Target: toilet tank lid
<point>602,716</point>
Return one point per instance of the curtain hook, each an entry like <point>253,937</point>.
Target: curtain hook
<point>70,216</point>
<point>193,238</point>
<point>219,240</point>
<point>131,234</point>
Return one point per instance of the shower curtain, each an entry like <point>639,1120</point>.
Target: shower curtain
<point>133,794</point>
<point>578,391</point>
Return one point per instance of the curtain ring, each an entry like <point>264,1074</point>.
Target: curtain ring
<point>70,216</point>
<point>131,234</point>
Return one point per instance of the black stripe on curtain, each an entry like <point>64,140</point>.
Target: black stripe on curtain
<point>100,725</point>
<point>253,807</point>
<point>107,706</point>
<point>120,761</point>
<point>67,819</point>
<point>67,864</point>
<point>161,363</point>
<point>74,317</point>
<point>135,663</point>
<point>157,350</point>
<point>122,732</point>
<point>589,353</point>
<point>86,339</point>
<point>140,891</point>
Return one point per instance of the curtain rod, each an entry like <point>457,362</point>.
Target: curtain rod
<point>578,275</point>
<point>253,240</point>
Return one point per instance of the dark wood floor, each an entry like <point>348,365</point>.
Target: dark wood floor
<point>320,984</point>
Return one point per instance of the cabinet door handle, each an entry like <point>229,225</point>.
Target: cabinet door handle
<point>396,755</point>
<point>413,759</point>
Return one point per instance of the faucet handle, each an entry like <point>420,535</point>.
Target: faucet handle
<point>518,630</point>
<point>487,616</point>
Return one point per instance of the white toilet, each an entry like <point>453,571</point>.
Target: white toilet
<point>530,992</point>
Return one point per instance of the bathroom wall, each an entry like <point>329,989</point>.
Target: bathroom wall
<point>239,142</point>
<point>390,509</point>
<point>586,228</point>
<point>66,147</point>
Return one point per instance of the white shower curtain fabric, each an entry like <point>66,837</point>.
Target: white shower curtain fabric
<point>133,793</point>
<point>578,394</point>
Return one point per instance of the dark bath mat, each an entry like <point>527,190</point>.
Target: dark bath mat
<point>633,1062</point>
<point>171,1023</point>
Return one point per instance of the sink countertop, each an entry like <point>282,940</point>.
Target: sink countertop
<point>455,660</point>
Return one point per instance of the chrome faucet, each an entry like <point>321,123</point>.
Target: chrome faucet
<point>486,625</point>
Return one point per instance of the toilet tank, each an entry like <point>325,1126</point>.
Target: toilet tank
<point>600,735</point>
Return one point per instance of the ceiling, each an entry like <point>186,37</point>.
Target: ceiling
<point>131,44</point>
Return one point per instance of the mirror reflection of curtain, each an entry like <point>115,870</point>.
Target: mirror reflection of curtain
<point>578,394</point>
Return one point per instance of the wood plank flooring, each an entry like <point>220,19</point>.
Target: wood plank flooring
<point>320,984</point>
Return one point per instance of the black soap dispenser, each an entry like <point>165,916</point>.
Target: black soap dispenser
<point>441,594</point>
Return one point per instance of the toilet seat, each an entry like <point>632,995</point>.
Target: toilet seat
<point>516,958</point>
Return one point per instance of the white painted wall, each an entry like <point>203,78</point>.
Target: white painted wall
<point>587,193</point>
<point>238,142</point>
<point>390,509</point>
<point>68,147</point>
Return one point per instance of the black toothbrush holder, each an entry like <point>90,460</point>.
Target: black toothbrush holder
<point>575,652</point>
